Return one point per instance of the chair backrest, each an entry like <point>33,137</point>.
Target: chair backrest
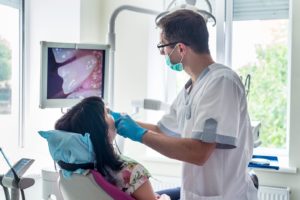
<point>78,187</point>
<point>91,186</point>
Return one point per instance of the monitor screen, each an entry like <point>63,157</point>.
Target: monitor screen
<point>70,72</point>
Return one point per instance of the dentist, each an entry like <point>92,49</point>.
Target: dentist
<point>207,127</point>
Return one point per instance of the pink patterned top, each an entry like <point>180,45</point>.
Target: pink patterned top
<point>132,176</point>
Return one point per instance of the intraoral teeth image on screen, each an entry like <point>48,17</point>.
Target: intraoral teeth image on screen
<point>74,73</point>
<point>71,72</point>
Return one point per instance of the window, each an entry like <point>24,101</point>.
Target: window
<point>263,55</point>
<point>10,69</point>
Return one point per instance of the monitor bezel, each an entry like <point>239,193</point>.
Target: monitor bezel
<point>65,103</point>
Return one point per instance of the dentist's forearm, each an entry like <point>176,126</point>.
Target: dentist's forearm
<point>183,149</point>
<point>151,127</point>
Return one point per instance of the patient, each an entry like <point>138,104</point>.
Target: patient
<point>91,116</point>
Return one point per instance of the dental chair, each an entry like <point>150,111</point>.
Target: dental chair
<point>81,187</point>
<point>77,177</point>
<point>91,186</point>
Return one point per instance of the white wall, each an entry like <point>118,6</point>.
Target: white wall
<point>131,55</point>
<point>48,20</point>
<point>82,21</point>
<point>93,27</point>
<point>132,33</point>
<point>51,20</point>
<point>79,21</point>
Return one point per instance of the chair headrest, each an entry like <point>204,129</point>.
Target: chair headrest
<point>69,147</point>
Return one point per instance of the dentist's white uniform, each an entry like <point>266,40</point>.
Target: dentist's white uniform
<point>214,111</point>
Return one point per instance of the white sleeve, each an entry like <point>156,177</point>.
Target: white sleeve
<point>217,114</point>
<point>168,123</point>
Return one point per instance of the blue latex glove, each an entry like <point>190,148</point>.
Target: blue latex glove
<point>115,115</point>
<point>127,127</point>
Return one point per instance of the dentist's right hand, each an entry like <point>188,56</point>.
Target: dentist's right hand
<point>115,115</point>
<point>127,127</point>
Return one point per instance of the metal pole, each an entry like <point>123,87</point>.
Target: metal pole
<point>112,42</point>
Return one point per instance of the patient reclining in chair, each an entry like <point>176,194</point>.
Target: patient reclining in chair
<point>89,131</point>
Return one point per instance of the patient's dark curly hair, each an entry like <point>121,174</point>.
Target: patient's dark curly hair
<point>88,116</point>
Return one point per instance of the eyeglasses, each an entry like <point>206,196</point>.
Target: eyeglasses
<point>160,46</point>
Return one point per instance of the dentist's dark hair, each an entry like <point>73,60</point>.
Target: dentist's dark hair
<point>88,116</point>
<point>186,26</point>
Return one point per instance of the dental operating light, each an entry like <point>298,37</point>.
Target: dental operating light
<point>190,5</point>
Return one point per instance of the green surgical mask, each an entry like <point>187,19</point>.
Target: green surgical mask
<point>176,67</point>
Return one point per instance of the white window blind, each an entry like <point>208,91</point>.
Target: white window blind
<point>11,3</point>
<point>260,9</point>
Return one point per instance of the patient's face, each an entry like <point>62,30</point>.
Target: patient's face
<point>111,127</point>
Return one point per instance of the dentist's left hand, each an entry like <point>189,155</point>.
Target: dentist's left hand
<point>127,127</point>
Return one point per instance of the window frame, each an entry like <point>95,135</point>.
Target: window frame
<point>227,57</point>
<point>20,5</point>
<point>21,75</point>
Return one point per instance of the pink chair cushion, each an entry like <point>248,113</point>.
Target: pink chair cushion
<point>111,190</point>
